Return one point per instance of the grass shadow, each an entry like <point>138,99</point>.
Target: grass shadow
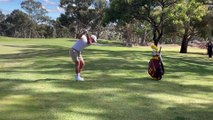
<point>117,87</point>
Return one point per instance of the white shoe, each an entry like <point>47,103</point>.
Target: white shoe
<point>78,78</point>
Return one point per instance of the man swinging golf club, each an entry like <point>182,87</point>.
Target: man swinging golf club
<point>84,40</point>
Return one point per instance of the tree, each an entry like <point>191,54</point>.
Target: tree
<point>186,15</point>
<point>2,18</point>
<point>143,30</point>
<point>35,10</point>
<point>19,24</point>
<point>82,14</point>
<point>205,27</point>
<point>60,30</point>
<point>152,11</point>
<point>45,31</point>
<point>210,22</point>
<point>65,22</point>
<point>76,13</point>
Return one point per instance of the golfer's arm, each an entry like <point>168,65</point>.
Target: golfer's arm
<point>98,44</point>
<point>93,44</point>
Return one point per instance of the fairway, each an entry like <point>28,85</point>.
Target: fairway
<point>37,83</point>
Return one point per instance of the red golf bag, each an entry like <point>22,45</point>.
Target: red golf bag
<point>156,68</point>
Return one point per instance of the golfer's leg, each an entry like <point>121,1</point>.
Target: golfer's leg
<point>77,67</point>
<point>74,56</point>
<point>82,63</point>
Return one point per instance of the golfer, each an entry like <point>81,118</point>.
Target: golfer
<point>83,41</point>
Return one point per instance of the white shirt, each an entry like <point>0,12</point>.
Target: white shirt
<point>80,43</point>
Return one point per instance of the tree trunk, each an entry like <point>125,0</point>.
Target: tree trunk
<point>143,39</point>
<point>184,46</point>
<point>157,34</point>
<point>129,36</point>
<point>154,36</point>
<point>185,41</point>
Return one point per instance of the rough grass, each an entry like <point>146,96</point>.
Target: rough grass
<point>37,83</point>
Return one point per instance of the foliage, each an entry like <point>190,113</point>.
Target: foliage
<point>62,31</point>
<point>83,14</point>
<point>205,27</point>
<point>2,16</point>
<point>119,12</point>
<point>186,15</point>
<point>153,12</point>
<point>19,24</point>
<point>35,10</point>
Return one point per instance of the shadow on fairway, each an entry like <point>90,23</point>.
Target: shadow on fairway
<point>121,99</point>
<point>108,94</point>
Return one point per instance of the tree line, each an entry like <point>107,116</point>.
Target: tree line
<point>130,21</point>
<point>33,22</point>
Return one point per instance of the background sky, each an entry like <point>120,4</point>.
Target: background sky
<point>52,6</point>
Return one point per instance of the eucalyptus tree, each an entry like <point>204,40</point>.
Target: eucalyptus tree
<point>2,18</point>
<point>35,10</point>
<point>206,26</point>
<point>81,14</point>
<point>210,14</point>
<point>154,12</point>
<point>205,30</point>
<point>186,15</point>
<point>19,24</point>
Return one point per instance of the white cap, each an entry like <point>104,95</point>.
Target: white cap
<point>94,38</point>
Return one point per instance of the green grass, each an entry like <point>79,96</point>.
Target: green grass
<point>37,83</point>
